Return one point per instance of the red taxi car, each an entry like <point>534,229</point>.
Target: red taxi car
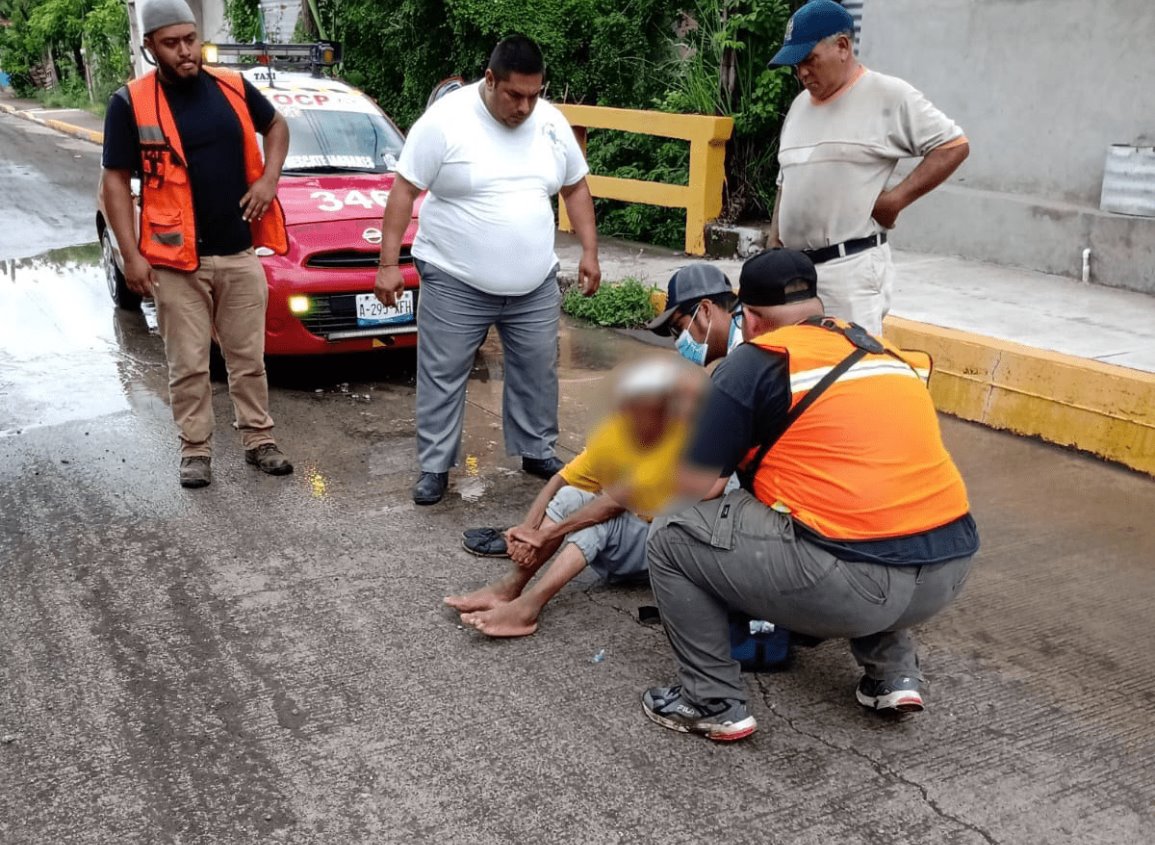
<point>333,188</point>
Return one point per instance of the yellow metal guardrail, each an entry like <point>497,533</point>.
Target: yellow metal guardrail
<point>701,198</point>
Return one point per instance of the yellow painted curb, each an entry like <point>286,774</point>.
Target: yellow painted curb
<point>1103,409</point>
<point>59,125</point>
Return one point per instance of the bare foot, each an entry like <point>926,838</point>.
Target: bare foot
<point>487,598</point>
<point>513,619</point>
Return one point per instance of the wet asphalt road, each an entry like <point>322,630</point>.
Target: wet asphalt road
<point>266,660</point>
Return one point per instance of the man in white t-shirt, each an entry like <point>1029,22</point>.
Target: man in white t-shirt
<point>491,155</point>
<point>840,143</point>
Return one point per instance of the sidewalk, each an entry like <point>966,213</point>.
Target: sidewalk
<point>1036,354</point>
<point>75,122</point>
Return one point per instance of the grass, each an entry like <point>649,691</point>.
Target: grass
<point>624,304</point>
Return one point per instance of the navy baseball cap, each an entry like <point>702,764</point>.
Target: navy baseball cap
<point>816,20</point>
<point>691,283</point>
<point>777,277</point>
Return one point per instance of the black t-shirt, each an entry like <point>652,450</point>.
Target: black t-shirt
<point>748,400</point>
<point>213,146</point>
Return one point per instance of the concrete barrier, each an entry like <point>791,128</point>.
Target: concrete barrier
<point>1106,410</point>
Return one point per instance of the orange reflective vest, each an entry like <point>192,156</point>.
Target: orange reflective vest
<point>167,220</point>
<point>866,461</point>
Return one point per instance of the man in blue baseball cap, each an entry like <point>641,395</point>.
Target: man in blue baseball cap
<point>701,314</point>
<point>840,143</point>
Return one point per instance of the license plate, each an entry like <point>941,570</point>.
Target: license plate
<point>370,311</point>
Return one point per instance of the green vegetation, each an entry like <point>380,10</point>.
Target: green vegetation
<point>80,44</point>
<point>625,304</point>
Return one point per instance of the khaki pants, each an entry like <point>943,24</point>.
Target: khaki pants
<point>858,288</point>
<point>228,295</point>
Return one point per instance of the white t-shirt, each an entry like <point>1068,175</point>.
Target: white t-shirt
<point>487,219</point>
<point>837,155</point>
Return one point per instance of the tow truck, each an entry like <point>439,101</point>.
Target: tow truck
<point>333,188</point>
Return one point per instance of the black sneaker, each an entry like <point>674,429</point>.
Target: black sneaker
<point>430,488</point>
<point>545,468</point>
<point>196,472</point>
<point>722,720</point>
<point>268,459</point>
<point>900,695</point>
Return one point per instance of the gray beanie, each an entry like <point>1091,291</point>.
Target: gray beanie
<point>157,14</point>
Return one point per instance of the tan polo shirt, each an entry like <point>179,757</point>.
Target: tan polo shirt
<point>837,155</point>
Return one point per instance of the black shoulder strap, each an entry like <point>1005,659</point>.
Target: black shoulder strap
<point>836,372</point>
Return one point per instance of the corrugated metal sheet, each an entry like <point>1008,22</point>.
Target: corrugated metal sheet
<point>1129,181</point>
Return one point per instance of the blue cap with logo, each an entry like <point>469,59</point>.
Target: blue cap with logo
<point>689,285</point>
<point>816,20</point>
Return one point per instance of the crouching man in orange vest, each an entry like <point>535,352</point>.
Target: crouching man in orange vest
<point>852,520</point>
<point>207,198</point>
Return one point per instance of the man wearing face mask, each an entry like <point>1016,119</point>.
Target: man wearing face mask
<point>700,314</point>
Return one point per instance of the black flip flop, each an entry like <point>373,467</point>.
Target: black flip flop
<point>491,543</point>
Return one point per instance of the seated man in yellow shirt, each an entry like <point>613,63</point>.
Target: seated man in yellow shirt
<point>597,509</point>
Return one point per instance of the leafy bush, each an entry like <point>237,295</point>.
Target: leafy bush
<point>625,304</point>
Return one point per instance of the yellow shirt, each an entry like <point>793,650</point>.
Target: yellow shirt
<point>612,458</point>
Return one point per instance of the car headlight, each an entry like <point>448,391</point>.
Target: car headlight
<point>299,305</point>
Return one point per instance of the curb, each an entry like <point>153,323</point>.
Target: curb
<point>1099,408</point>
<point>90,135</point>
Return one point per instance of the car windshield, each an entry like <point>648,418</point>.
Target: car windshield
<point>329,140</point>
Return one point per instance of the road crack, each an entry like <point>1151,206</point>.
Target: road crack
<point>879,767</point>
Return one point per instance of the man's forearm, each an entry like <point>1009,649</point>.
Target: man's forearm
<point>935,168</point>
<point>579,202</point>
<point>602,509</point>
<point>536,512</point>
<point>394,222</point>
<point>116,191</point>
<point>276,147</point>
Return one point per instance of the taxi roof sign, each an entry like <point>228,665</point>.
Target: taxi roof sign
<point>317,55</point>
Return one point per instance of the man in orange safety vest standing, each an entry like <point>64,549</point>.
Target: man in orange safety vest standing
<point>852,520</point>
<point>207,198</point>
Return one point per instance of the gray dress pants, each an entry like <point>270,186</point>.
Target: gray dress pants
<point>736,553</point>
<point>453,319</point>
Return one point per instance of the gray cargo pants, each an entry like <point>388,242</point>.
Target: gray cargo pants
<point>453,319</point>
<point>736,553</point>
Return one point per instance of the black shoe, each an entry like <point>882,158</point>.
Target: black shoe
<point>899,695</point>
<point>430,488</point>
<point>545,468</point>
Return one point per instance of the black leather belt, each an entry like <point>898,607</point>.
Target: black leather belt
<point>828,253</point>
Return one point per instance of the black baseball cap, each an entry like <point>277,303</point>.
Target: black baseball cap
<point>691,283</point>
<point>777,277</point>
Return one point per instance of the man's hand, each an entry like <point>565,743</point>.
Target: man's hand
<point>138,274</point>
<point>257,199</point>
<point>533,537</point>
<point>389,285</point>
<point>886,209</point>
<point>589,273</point>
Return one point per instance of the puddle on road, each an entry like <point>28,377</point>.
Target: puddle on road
<point>65,352</point>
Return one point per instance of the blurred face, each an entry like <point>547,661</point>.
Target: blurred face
<point>648,417</point>
<point>827,68</point>
<point>177,50</point>
<point>511,101</point>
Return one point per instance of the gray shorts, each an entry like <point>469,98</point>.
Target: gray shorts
<point>614,549</point>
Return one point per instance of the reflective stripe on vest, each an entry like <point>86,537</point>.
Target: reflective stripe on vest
<point>167,228</point>
<point>866,461</point>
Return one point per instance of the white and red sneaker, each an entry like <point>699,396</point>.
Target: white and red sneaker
<point>898,695</point>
